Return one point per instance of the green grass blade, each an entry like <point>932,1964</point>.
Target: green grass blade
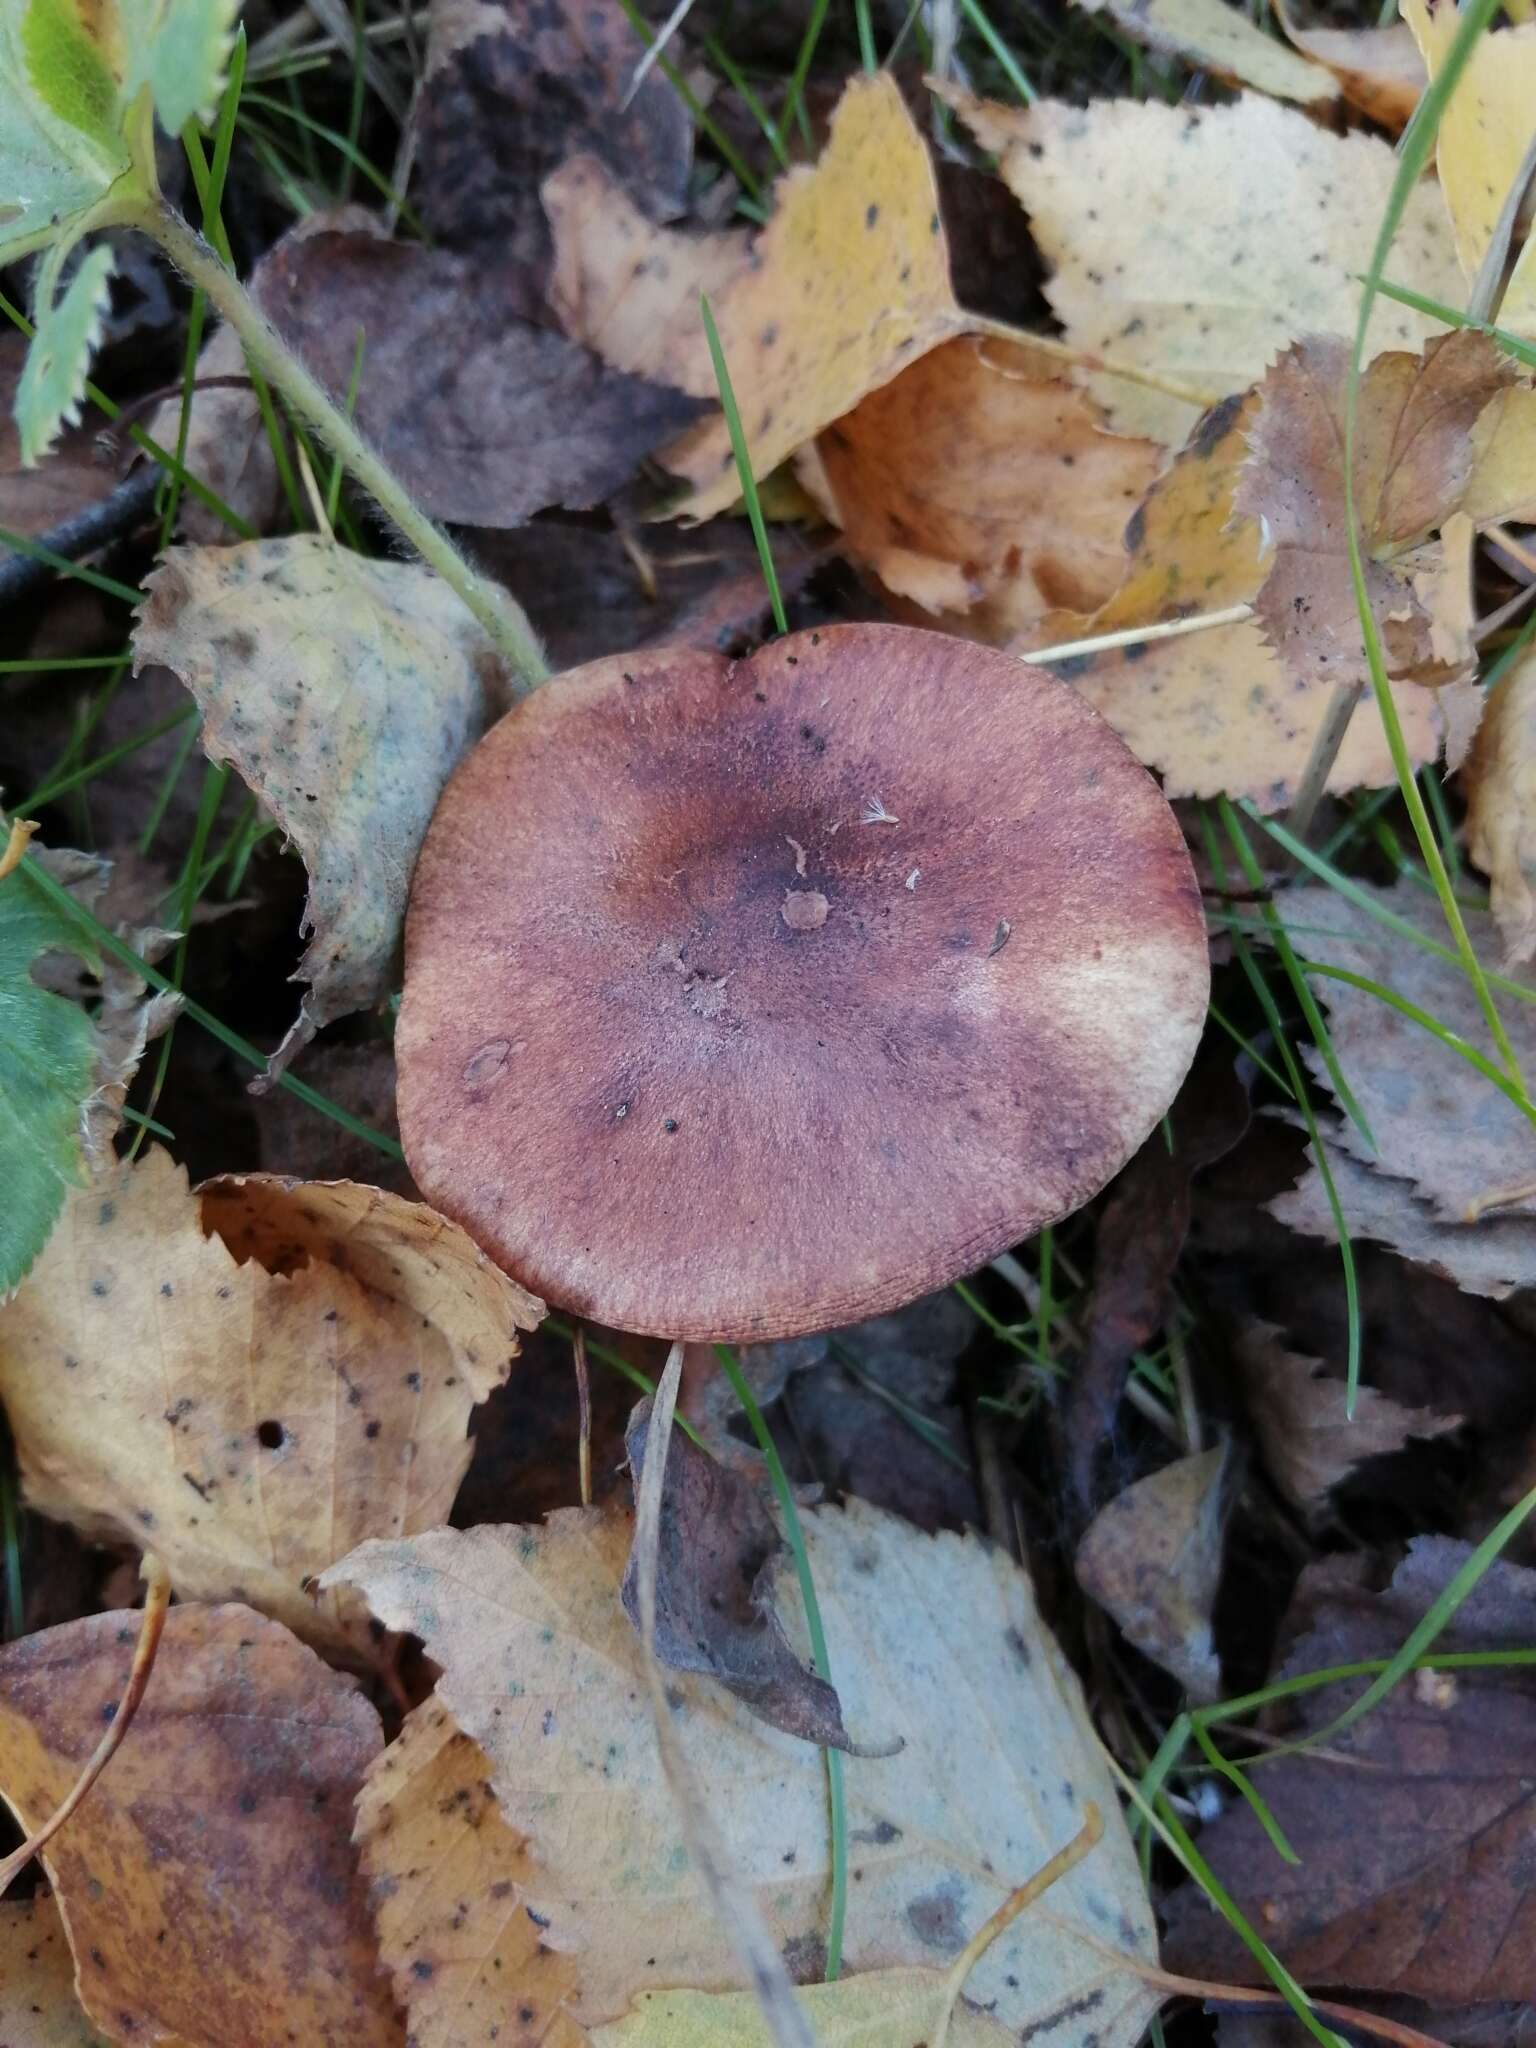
<point>744,466</point>
<point>1239,1783</point>
<point>1008,64</point>
<point>1512,344</point>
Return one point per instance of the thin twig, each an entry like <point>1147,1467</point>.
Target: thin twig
<point>157,1599</point>
<point>584,1404</point>
<point>1140,636</point>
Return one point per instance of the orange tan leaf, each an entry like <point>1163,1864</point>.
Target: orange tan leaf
<point>1379,70</point>
<point>1211,35</point>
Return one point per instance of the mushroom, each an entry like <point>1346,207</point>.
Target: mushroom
<point>683,1048</point>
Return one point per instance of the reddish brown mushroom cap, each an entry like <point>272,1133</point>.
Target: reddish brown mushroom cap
<point>750,998</point>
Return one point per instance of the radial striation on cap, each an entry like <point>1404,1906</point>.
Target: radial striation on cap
<point>748,998</point>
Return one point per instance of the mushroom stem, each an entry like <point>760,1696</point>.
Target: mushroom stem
<point>1139,636</point>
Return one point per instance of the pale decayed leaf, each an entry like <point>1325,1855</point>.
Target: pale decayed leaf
<point>257,1378</point>
<point>1379,70</point>
<point>847,284</point>
<point>344,691</point>
<point>1215,710</point>
<point>1309,1435</point>
<point>1500,784</point>
<point>449,1881</point>
<point>1152,1558</point>
<point>53,379</point>
<point>541,1667</point>
<point>63,1077</point>
<point>52,167</point>
<point>1485,130</point>
<point>983,488</point>
<point>1196,242</point>
<point>881,2009</point>
<point>1214,35</point>
<point>38,2006</point>
<point>208,1885</point>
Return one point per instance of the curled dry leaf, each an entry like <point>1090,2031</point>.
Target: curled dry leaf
<point>1212,35</point>
<point>1379,70</point>
<point>63,1075</point>
<point>990,1781</point>
<point>1307,1437</point>
<point>1215,710</point>
<point>1152,1558</point>
<point>1486,128</point>
<point>1413,1828</point>
<point>847,284</point>
<point>515,87</point>
<point>38,2006</point>
<point>1500,785</point>
<point>982,487</point>
<point>272,1370</point>
<point>1195,242</point>
<point>874,2010</point>
<point>717,1560</point>
<point>485,416</point>
<point>1419,432</point>
<point>1437,1121</point>
<point>344,691</point>
<point>448,1880</point>
<point>208,1884</point>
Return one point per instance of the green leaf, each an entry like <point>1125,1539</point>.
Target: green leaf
<point>52,382</point>
<point>60,146</point>
<point>179,49</point>
<point>47,1074</point>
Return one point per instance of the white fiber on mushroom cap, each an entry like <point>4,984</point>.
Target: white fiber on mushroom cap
<point>682,1048</point>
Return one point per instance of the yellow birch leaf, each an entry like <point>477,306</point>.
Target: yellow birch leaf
<point>847,284</point>
<point>881,2009</point>
<point>1379,70</point>
<point>1500,784</point>
<point>1214,36</point>
<point>1485,131</point>
<point>38,2006</point>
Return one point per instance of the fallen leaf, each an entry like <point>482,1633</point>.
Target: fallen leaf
<point>1194,243</point>
<point>1494,1257</point>
<point>1309,1440</point>
<point>292,1140</point>
<point>448,1880</point>
<point>1500,785</point>
<point>208,1885</point>
<point>227,447</point>
<point>1415,467</point>
<point>990,1781</point>
<point>484,416</point>
<point>985,489</point>
<point>345,691</point>
<point>1141,1232</point>
<point>847,284</point>
<point>719,1555</point>
<point>1210,35</point>
<point>63,1075</point>
<point>1215,711</point>
<point>1152,1559</point>
<point>273,1370</point>
<point>51,388</point>
<point>1438,1123</point>
<point>1412,1873</point>
<point>38,2006</point>
<point>1486,127</point>
<point>515,87</point>
<point>1379,70</point>
<point>75,475</point>
<point>875,2010</point>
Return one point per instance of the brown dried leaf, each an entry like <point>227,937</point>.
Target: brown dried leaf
<point>273,1370</point>
<point>38,2006</point>
<point>515,87</point>
<point>718,1559</point>
<point>1194,243</point>
<point>1438,1123</point>
<point>345,691</point>
<point>1215,710</point>
<point>208,1885</point>
<point>485,416</point>
<point>449,1880</point>
<point>1308,1439</point>
<point>1414,1850</point>
<point>1416,465</point>
<point>985,489</point>
<point>1500,785</point>
<point>848,283</point>
<point>1152,1558</point>
<point>989,1783</point>
<point>1379,70</point>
